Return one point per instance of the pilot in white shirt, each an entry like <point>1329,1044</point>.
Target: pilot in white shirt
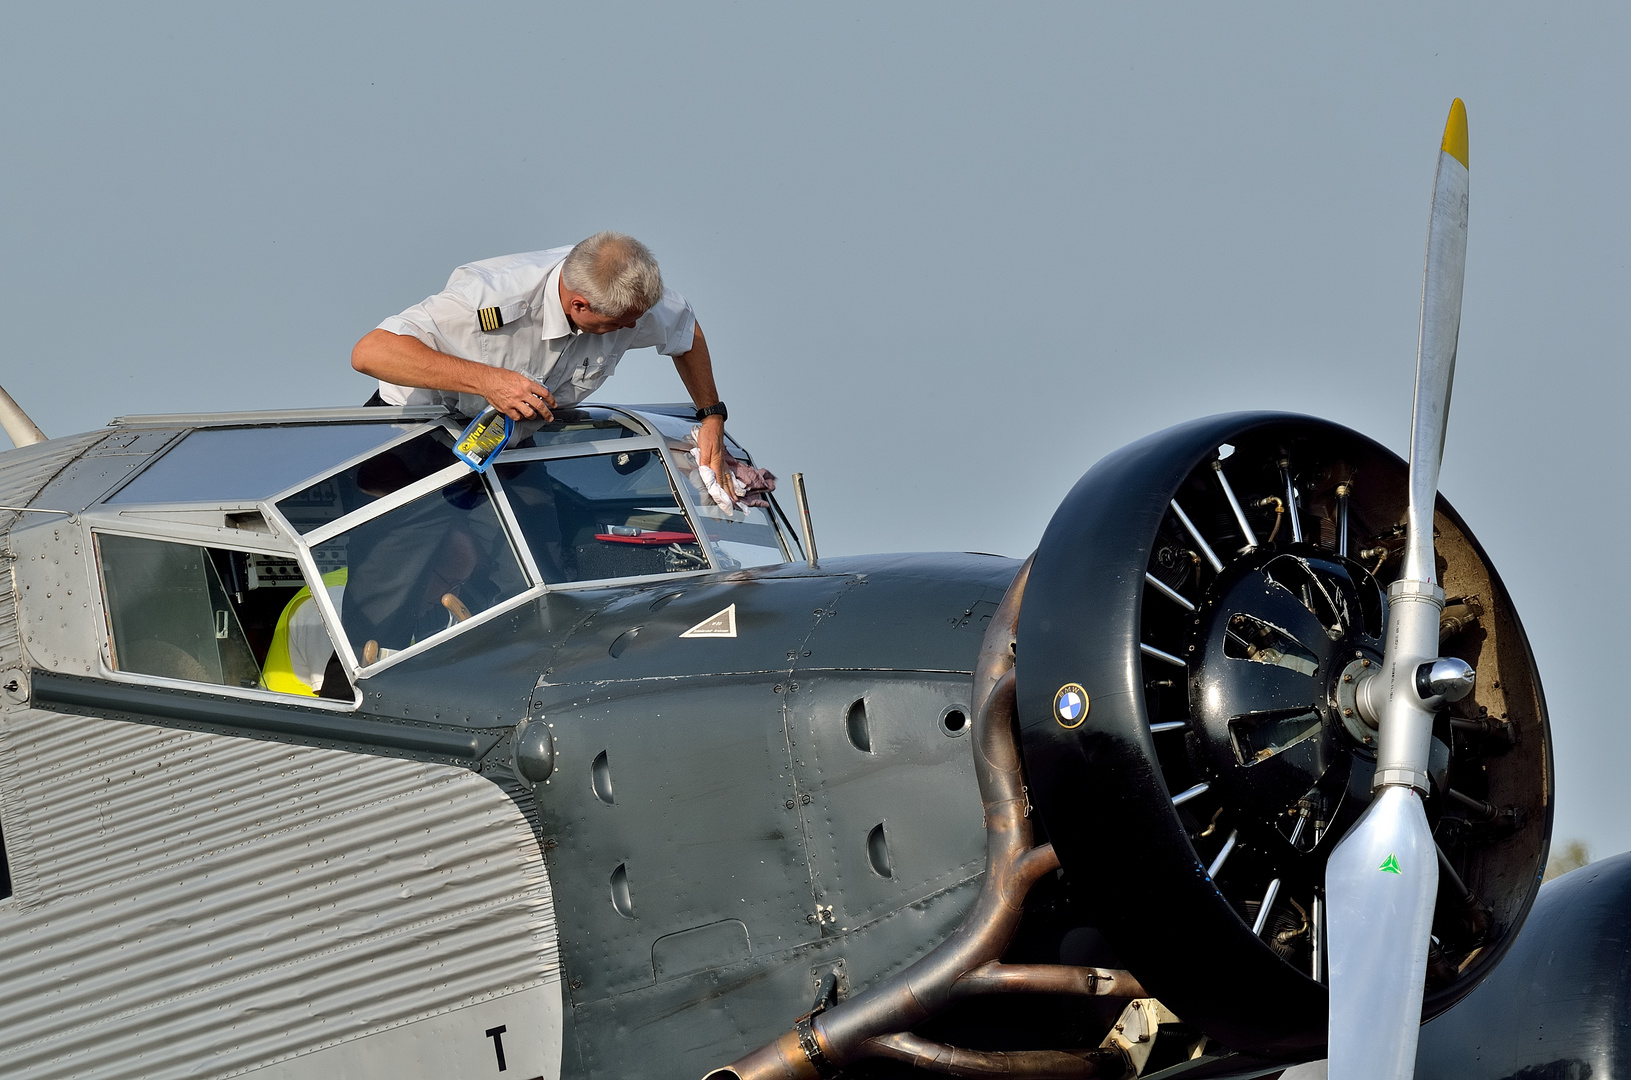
<point>537,331</point>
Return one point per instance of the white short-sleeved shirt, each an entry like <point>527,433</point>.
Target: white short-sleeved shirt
<point>532,335</point>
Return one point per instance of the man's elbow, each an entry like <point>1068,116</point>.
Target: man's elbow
<point>365,354</point>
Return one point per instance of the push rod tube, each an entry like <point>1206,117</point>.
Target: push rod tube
<point>1234,504</point>
<point>1291,501</point>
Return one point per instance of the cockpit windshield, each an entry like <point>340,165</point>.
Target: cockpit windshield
<point>746,536</point>
<point>601,516</point>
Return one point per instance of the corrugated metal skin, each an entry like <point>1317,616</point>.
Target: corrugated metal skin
<point>203,904</point>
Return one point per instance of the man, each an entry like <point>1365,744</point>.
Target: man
<point>539,331</point>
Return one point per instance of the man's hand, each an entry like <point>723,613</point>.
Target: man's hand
<point>517,396</point>
<point>697,373</point>
<point>711,441</point>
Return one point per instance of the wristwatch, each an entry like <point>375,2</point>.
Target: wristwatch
<point>716,409</point>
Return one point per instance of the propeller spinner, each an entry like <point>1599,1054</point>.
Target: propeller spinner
<point>1382,879</point>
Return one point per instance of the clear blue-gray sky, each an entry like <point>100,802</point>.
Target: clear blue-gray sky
<point>947,255</point>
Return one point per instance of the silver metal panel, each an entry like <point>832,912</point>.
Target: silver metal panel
<point>58,608</point>
<point>203,905</point>
<point>142,443</point>
<point>23,473</point>
<point>108,465</point>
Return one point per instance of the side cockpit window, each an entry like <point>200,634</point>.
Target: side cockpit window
<point>368,481</point>
<point>219,616</point>
<point>422,568</point>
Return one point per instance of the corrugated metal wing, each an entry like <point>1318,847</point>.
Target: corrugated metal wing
<point>200,905</point>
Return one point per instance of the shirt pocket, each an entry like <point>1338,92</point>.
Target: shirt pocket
<point>590,372</point>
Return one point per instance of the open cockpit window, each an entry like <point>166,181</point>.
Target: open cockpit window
<point>388,471</point>
<point>219,616</point>
<point>422,568</point>
<point>601,516</point>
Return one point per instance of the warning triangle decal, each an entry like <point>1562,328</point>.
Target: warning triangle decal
<point>719,625</point>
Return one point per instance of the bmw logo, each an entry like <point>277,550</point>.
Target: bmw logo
<point>1070,705</point>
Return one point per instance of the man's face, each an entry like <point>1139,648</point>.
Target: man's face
<point>591,321</point>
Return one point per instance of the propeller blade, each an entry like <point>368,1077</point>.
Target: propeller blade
<point>1435,347</point>
<point>1381,881</point>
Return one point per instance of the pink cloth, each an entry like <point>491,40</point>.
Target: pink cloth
<point>757,481</point>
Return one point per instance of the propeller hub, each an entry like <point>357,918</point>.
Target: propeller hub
<point>1359,718</point>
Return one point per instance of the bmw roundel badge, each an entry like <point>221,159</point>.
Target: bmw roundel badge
<point>1070,705</point>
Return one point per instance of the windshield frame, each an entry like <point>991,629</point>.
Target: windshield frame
<point>169,521</point>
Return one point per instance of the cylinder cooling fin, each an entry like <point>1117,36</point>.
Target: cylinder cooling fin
<point>1201,610</point>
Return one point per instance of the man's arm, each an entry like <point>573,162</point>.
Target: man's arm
<point>696,370</point>
<point>407,361</point>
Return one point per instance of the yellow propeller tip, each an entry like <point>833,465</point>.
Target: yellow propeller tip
<point>1455,133</point>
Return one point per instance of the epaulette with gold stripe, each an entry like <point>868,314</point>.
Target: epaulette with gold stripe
<point>490,318</point>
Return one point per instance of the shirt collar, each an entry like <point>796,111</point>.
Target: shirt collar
<point>553,318</point>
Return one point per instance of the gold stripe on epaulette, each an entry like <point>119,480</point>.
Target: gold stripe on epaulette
<point>490,318</point>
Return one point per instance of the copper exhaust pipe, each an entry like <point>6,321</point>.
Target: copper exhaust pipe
<point>878,1021</point>
<point>1030,1064</point>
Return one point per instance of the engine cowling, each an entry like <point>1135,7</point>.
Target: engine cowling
<point>1202,606</point>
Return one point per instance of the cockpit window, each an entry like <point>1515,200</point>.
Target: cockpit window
<point>746,536</point>
<point>241,465</point>
<point>333,497</point>
<point>601,516</point>
<point>422,568</point>
<point>219,616</point>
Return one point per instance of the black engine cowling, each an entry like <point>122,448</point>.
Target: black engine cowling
<point>1184,694</point>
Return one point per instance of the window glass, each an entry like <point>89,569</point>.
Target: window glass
<point>391,470</point>
<point>214,615</point>
<point>747,536</point>
<point>601,516</point>
<point>422,568</point>
<point>245,464</point>
<point>579,426</point>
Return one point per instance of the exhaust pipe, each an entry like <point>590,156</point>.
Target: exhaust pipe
<point>877,1023</point>
<point>22,430</point>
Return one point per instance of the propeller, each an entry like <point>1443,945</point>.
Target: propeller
<point>1381,881</point>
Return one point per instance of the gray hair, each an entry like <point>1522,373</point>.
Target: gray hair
<point>615,273</point>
